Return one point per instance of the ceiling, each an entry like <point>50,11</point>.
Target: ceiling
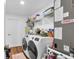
<point>13,7</point>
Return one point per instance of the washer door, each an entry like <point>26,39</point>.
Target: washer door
<point>32,50</point>
<point>24,43</point>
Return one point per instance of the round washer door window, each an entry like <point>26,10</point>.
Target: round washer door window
<point>24,43</point>
<point>32,50</point>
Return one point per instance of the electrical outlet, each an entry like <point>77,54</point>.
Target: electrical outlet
<point>66,48</point>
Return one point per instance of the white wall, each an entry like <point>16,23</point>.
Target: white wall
<point>46,23</point>
<point>14,30</point>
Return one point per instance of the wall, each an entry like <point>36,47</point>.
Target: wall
<point>46,23</point>
<point>14,30</point>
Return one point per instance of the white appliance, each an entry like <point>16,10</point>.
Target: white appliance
<point>25,45</point>
<point>37,46</point>
<point>60,57</point>
<point>59,54</point>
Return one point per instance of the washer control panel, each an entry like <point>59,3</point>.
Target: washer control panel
<point>35,38</point>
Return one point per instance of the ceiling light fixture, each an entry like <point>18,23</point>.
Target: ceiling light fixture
<point>22,2</point>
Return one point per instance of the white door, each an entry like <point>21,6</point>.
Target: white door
<point>11,32</point>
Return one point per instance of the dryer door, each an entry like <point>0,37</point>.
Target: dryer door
<point>24,43</point>
<point>32,50</point>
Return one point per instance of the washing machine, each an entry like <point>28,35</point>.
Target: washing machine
<point>37,46</point>
<point>25,41</point>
